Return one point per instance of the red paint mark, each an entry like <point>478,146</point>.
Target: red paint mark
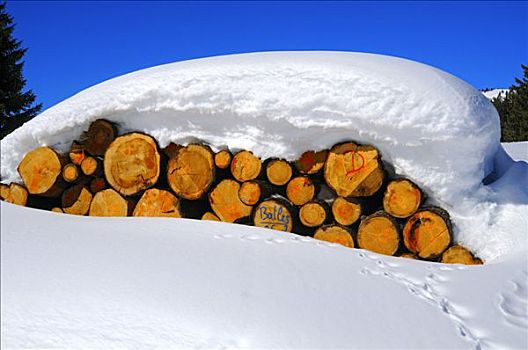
<point>355,167</point>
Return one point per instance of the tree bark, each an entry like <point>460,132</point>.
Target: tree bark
<point>99,136</point>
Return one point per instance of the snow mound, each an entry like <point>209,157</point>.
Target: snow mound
<point>495,93</point>
<point>430,125</point>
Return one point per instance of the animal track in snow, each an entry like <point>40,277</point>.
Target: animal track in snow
<point>513,302</point>
<point>424,291</point>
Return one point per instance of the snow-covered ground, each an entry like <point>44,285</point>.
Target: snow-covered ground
<point>494,93</point>
<point>143,282</point>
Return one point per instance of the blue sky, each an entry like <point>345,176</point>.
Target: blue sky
<point>73,45</point>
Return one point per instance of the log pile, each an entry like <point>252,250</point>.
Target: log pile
<point>343,195</point>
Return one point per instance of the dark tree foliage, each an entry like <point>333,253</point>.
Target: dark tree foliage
<point>16,106</point>
<point>513,110</point>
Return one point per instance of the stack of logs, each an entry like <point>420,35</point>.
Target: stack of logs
<point>343,195</point>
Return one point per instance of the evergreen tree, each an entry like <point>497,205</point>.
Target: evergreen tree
<point>16,106</point>
<point>513,110</point>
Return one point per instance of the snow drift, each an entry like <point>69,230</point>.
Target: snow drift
<point>431,126</point>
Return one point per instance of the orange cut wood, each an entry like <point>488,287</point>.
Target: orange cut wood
<point>335,234</point>
<point>279,172</point>
<point>311,162</point>
<point>91,166</point>
<point>402,198</point>
<point>352,170</point>
<point>427,233</point>
<point>76,200</point>
<point>379,233</point>
<point>109,203</point>
<point>245,166</point>
<point>41,170</point>
<point>210,216</point>
<point>312,214</point>
<point>14,194</point>
<point>70,172</point>
<point>226,203</point>
<point>300,190</point>
<point>346,211</point>
<point>408,256</point>
<point>459,255</point>
<point>132,163</point>
<point>223,159</point>
<point>159,203</point>
<point>76,153</point>
<point>274,214</point>
<point>191,171</point>
<point>250,192</point>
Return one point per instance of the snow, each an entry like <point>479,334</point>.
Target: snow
<point>494,93</point>
<point>431,126</point>
<point>83,282</point>
<point>517,150</point>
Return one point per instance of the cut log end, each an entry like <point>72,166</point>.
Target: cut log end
<point>190,172</point>
<point>70,172</point>
<point>379,233</point>
<point>97,184</point>
<point>352,170</point>
<point>76,200</point>
<point>408,256</point>
<point>274,214</point>
<point>40,170</point>
<point>311,162</point>
<point>427,233</point>
<point>250,192</point>
<point>132,163</point>
<point>77,153</point>
<point>14,194</point>
<point>346,212</point>
<point>279,172</point>
<point>335,234</point>
<point>226,203</point>
<point>91,166</point>
<point>223,159</point>
<point>312,214</point>
<point>158,203</point>
<point>245,166</point>
<point>402,198</point>
<point>99,136</point>
<point>109,203</point>
<point>459,255</point>
<point>57,210</point>
<point>210,217</point>
<point>300,190</point>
